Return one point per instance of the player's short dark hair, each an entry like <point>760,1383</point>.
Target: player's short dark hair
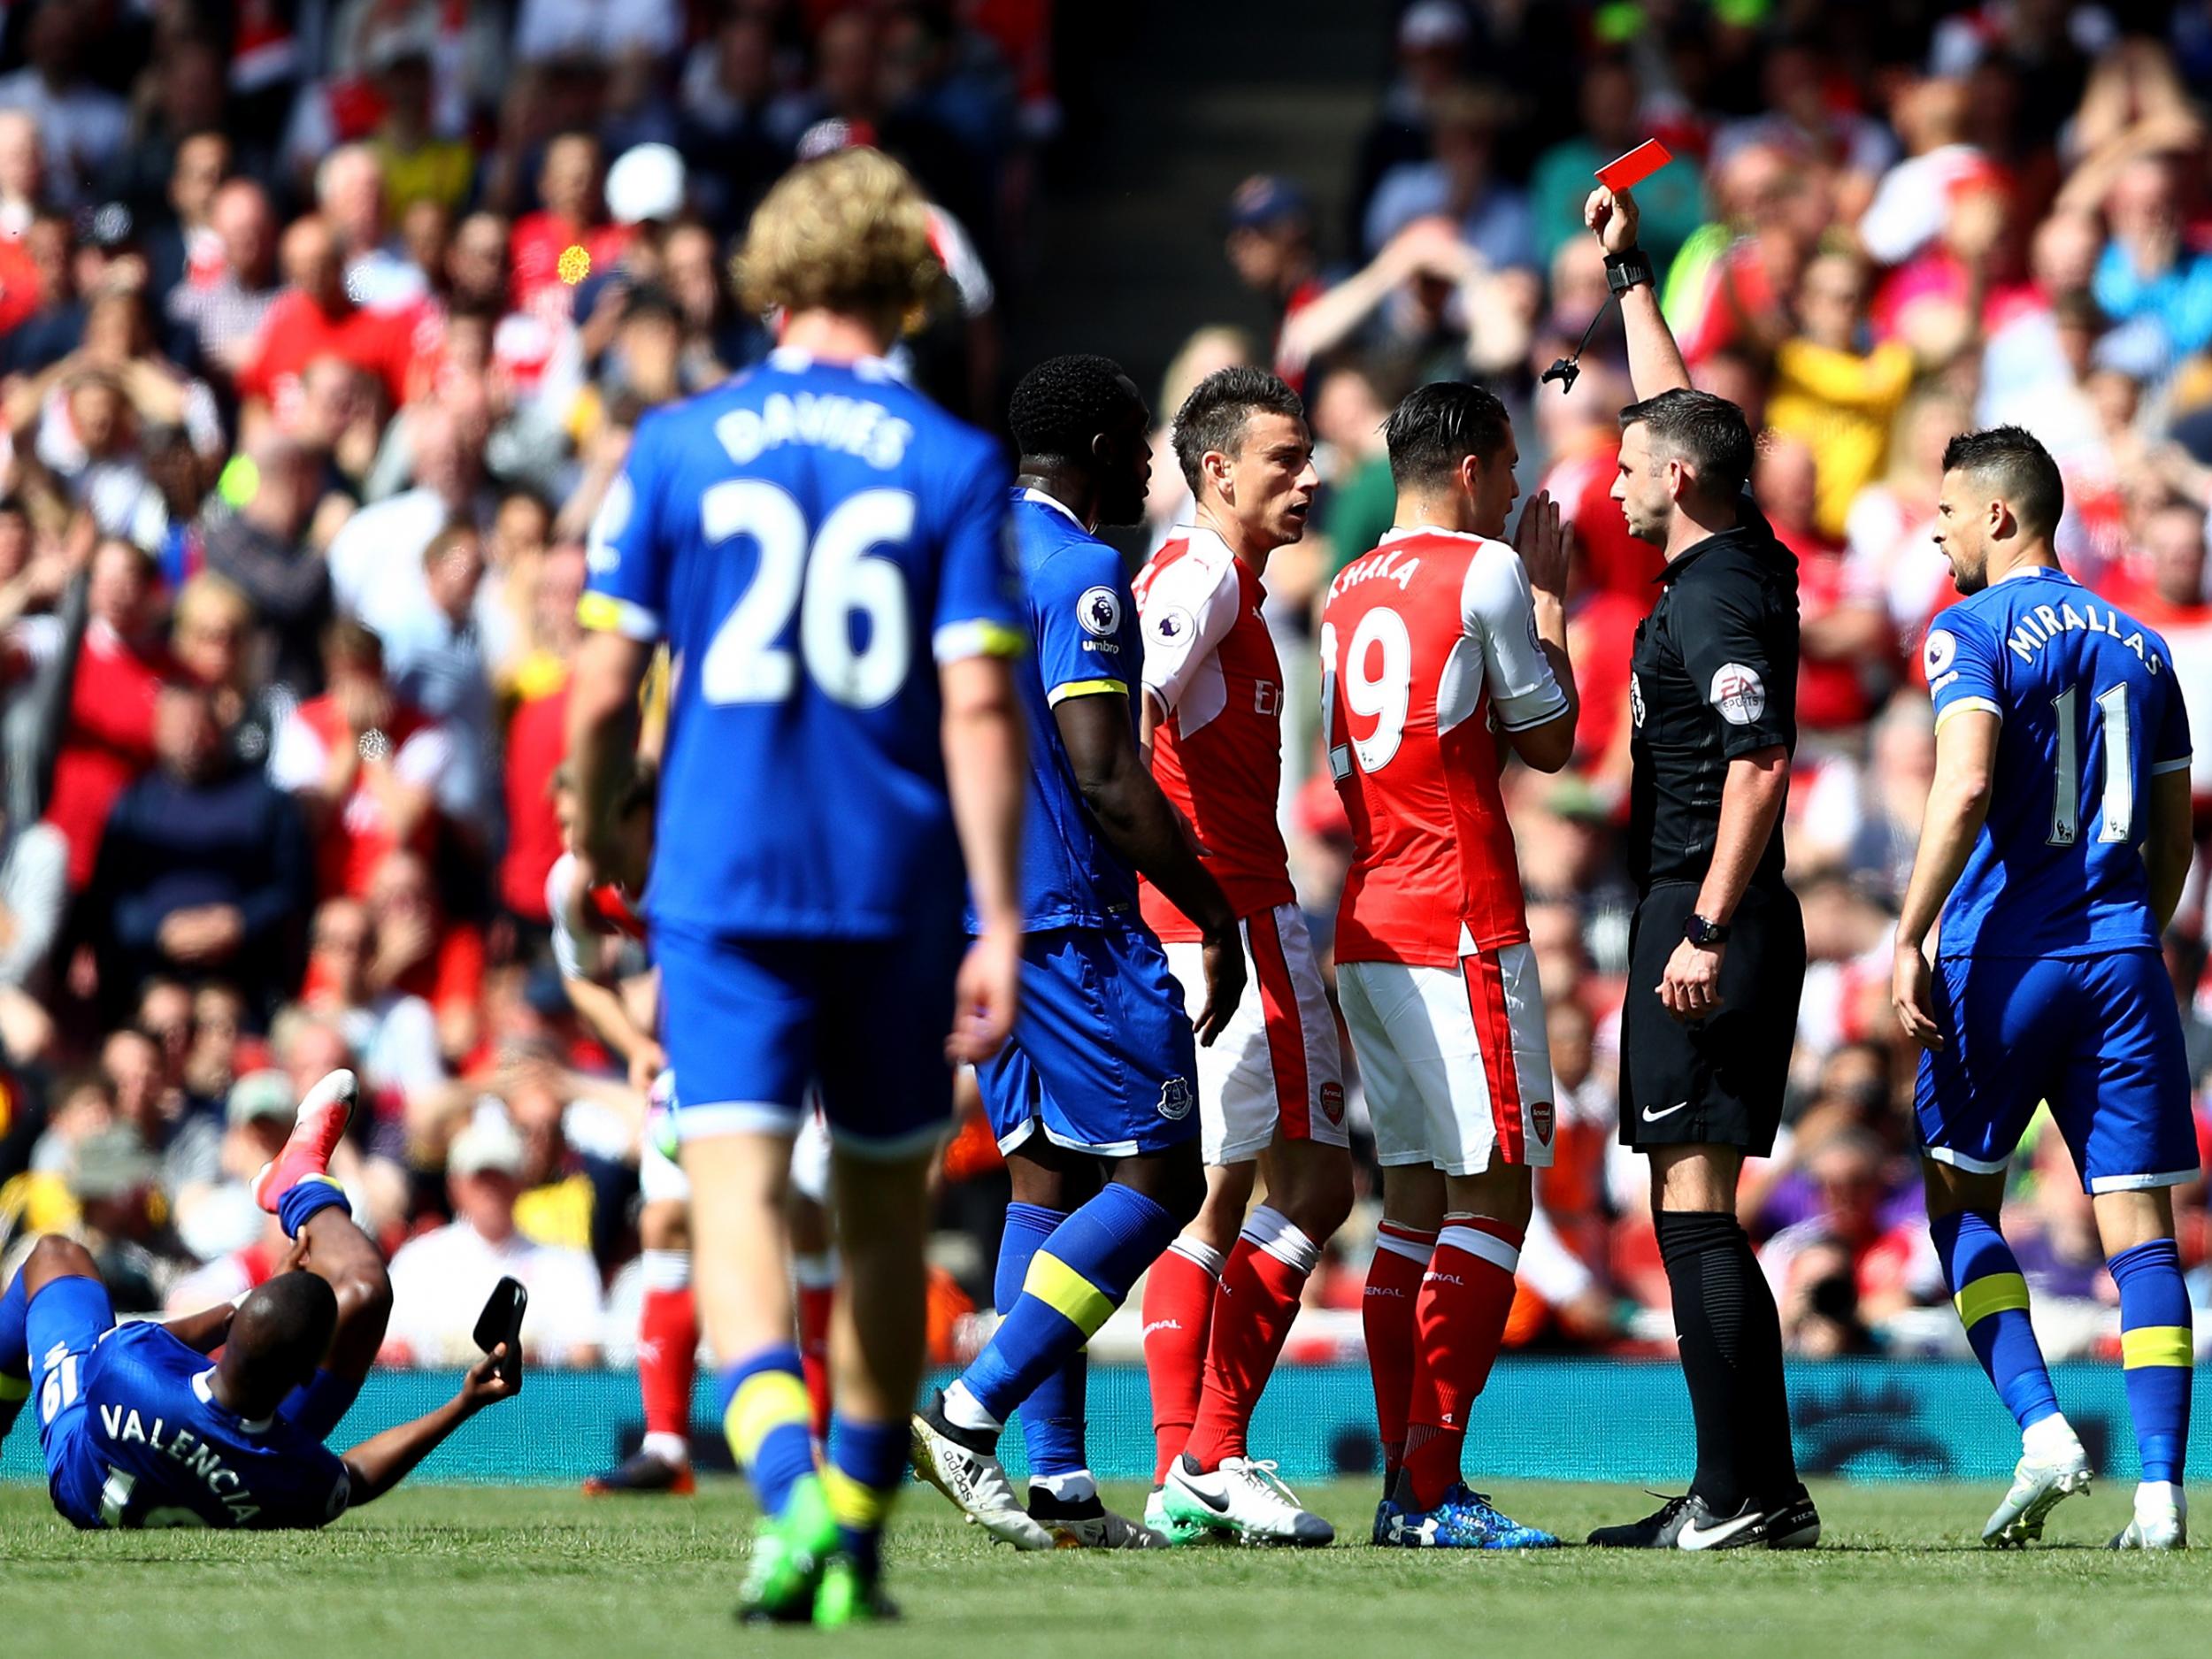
<point>1065,402</point>
<point>282,1330</point>
<point>1707,431</point>
<point>1212,417</point>
<point>2012,461</point>
<point>1436,426</point>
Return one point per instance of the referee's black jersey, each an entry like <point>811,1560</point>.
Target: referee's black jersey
<point>1714,677</point>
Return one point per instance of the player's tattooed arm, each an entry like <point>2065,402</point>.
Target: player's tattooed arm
<point>603,734</point>
<point>1141,825</point>
<point>1958,802</point>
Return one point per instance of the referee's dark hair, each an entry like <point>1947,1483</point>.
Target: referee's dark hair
<point>1436,426</point>
<point>1707,431</point>
<point>1212,417</point>
<point>1064,402</point>
<point>2012,461</point>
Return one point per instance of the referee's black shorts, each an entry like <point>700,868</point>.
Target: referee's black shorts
<point>1719,1081</point>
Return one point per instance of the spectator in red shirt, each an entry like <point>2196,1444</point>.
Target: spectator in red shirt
<point>314,317</point>
<point>108,738</point>
<point>421,952</point>
<point>1843,639</point>
<point>570,184</point>
<point>1271,245</point>
<point>365,766</point>
<point>537,739</point>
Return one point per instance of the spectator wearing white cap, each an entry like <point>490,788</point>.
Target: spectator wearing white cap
<point>442,1280</point>
<point>216,1217</point>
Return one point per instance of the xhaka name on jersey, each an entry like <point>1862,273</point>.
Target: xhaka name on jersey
<point>1375,565</point>
<point>123,1426</point>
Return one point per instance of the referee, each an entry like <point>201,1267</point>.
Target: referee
<point>1717,955</point>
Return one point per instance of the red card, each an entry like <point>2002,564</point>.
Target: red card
<point>1633,168</point>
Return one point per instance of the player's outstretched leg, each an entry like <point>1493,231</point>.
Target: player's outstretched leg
<point>1991,1299</point>
<point>1075,1278</point>
<point>297,1189</point>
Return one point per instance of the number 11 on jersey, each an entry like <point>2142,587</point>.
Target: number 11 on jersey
<point>2118,810</point>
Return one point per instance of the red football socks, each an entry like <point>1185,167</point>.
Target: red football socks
<point>668,1356</point>
<point>1253,1312</point>
<point>1459,1326</point>
<point>1179,1305</point>
<point>1394,1287</point>
<point>816,1280</point>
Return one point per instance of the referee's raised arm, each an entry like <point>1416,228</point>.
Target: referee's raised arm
<point>1654,362</point>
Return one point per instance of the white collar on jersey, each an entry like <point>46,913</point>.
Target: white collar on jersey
<point>1399,532</point>
<point>791,360</point>
<point>253,1425</point>
<point>1056,504</point>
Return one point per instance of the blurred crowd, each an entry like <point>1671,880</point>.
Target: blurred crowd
<point>324,326</point>
<point>1883,225</point>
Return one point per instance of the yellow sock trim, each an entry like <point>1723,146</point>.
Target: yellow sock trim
<point>852,1504</point>
<point>13,1388</point>
<point>1060,1287</point>
<point>1998,1293</point>
<point>763,1403</point>
<point>2156,1345</point>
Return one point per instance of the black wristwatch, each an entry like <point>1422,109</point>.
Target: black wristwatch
<point>1703,933</point>
<point>1629,268</point>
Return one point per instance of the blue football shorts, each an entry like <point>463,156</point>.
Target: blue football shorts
<point>2097,1037</point>
<point>1102,1059</point>
<point>749,1023</point>
<point>64,1323</point>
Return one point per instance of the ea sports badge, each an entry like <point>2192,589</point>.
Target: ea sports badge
<point>1738,694</point>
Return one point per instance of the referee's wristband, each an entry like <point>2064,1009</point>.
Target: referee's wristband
<point>1628,269</point>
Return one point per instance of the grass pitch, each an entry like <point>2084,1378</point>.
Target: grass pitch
<point>540,1574</point>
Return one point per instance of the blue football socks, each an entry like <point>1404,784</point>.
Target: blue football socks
<point>1991,1298</point>
<point>1052,1416</point>
<point>769,1420</point>
<point>2156,1351</point>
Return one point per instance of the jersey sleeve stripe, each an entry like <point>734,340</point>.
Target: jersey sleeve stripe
<point>603,613</point>
<point>981,637</point>
<point>1085,688</point>
<point>2180,763</point>
<point>1557,708</point>
<point>1963,703</point>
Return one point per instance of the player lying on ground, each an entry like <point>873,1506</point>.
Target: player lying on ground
<point>826,552</point>
<point>1425,641</point>
<point>1100,1068</point>
<point>2055,844</point>
<point>1219,1306</point>
<point>139,1429</point>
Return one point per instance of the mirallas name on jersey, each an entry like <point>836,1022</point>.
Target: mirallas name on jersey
<point>2032,629</point>
<point>851,425</point>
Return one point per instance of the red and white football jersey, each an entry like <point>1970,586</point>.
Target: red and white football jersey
<point>1218,757</point>
<point>1420,639</point>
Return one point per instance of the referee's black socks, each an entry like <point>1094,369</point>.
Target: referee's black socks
<point>1731,1356</point>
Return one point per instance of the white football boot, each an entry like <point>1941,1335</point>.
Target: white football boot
<point>2047,1474</point>
<point>2161,1519</point>
<point>962,1463</point>
<point>1245,1498</point>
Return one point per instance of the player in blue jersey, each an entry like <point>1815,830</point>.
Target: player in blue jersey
<point>1102,1064</point>
<point>2056,843</point>
<point>826,554</point>
<point>139,1428</point>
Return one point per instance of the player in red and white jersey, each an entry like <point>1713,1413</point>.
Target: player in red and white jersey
<point>1439,649</point>
<point>599,947</point>
<point>1271,1086</point>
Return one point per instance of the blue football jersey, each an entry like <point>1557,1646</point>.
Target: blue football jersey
<point>1087,644</point>
<point>174,1457</point>
<point>812,539</point>
<point>2091,713</point>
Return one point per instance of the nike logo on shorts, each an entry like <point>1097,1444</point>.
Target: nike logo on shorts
<point>1651,1117</point>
